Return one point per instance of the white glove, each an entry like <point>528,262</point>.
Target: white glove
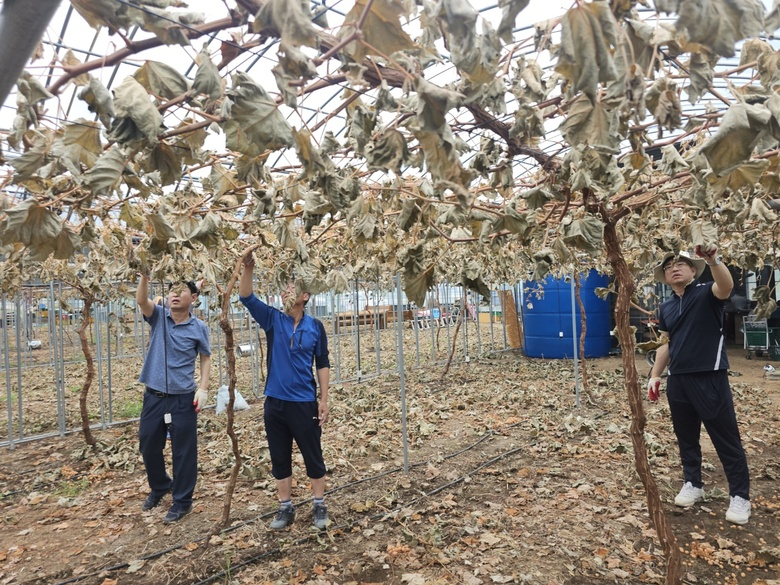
<point>653,388</point>
<point>201,397</point>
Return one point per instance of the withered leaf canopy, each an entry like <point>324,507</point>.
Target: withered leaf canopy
<point>410,148</point>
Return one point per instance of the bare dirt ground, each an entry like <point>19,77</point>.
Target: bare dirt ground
<point>508,482</point>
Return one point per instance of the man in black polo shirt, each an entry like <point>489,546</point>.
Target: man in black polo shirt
<point>698,386</point>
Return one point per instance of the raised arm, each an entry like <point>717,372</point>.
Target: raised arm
<point>724,283</point>
<point>245,283</point>
<point>142,296</point>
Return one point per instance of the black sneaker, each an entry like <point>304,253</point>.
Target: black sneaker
<point>320,517</point>
<point>152,501</point>
<point>176,513</point>
<point>284,517</point>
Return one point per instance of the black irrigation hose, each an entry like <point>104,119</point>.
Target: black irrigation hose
<point>348,525</point>
<point>160,553</point>
<point>37,486</point>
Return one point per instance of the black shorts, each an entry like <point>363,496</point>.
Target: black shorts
<point>285,421</point>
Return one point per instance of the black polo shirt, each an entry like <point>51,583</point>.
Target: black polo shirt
<point>694,323</point>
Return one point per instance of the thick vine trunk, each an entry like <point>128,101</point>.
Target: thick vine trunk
<point>509,315</point>
<point>86,319</point>
<point>625,286</point>
<point>461,316</point>
<point>227,328</point>
<point>584,323</point>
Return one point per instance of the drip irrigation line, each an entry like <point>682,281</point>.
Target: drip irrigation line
<point>349,525</point>
<point>160,553</point>
<point>42,485</point>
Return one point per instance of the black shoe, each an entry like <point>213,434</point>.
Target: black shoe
<point>152,501</point>
<point>320,517</point>
<point>176,513</point>
<point>284,517</point>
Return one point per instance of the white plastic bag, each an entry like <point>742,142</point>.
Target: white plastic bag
<point>223,397</point>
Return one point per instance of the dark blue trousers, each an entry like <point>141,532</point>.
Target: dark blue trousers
<point>706,398</point>
<point>184,445</point>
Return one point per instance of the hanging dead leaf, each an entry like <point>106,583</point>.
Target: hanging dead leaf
<point>588,37</point>
<point>207,79</point>
<point>590,125</point>
<point>719,24</point>
<point>381,29</point>
<point>137,119</point>
<point>663,101</point>
<point>737,136</point>
<point>703,233</point>
<point>254,123</point>
<point>291,18</point>
<point>586,233</point>
<point>106,174</point>
<point>161,79</point>
<point>509,11</point>
<point>98,100</point>
<point>78,144</point>
<point>38,229</point>
<point>735,178</point>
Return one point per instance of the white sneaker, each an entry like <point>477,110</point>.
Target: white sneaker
<point>689,495</point>
<point>739,510</point>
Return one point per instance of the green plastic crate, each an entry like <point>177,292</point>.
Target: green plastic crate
<point>756,339</point>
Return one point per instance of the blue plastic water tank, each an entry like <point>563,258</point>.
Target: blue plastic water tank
<point>547,323</point>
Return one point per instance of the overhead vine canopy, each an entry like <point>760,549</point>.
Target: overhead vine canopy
<point>443,140</point>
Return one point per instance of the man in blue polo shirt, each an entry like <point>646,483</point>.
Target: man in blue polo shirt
<point>698,386</point>
<point>171,402</point>
<point>296,342</point>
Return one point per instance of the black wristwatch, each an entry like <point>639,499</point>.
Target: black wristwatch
<point>718,260</point>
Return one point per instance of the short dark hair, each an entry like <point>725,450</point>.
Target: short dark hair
<point>190,285</point>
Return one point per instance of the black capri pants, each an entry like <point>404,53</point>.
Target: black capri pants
<point>285,421</point>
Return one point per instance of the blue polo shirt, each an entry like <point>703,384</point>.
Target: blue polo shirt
<point>184,342</point>
<point>292,351</point>
<point>694,323</point>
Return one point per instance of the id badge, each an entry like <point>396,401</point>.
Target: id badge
<point>167,418</point>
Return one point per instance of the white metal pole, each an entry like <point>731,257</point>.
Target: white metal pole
<point>402,370</point>
<point>574,342</point>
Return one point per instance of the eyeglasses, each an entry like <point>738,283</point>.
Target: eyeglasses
<point>678,264</point>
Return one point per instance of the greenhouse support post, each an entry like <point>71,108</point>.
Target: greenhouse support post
<point>99,358</point>
<point>356,323</point>
<point>58,361</point>
<point>377,341</point>
<point>416,325</point>
<point>475,302</point>
<point>6,351</point>
<point>490,320</point>
<point>402,370</point>
<point>18,376</point>
<point>108,364</point>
